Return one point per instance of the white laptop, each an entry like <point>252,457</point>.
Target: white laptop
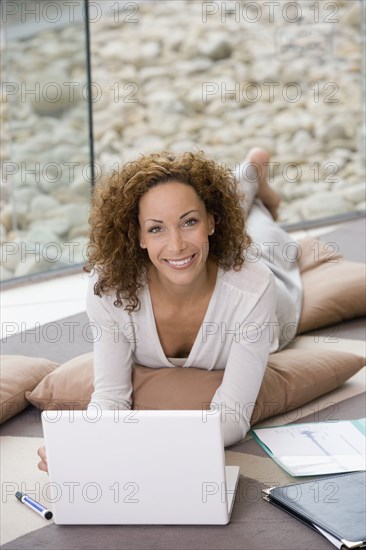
<point>138,467</point>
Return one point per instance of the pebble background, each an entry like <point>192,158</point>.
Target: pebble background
<point>179,75</point>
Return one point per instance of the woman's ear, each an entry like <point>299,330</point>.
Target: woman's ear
<point>142,241</point>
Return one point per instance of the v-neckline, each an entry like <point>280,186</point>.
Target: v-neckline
<point>208,311</point>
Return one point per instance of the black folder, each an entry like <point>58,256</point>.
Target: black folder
<point>336,504</point>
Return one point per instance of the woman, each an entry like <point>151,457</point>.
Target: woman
<point>176,280</point>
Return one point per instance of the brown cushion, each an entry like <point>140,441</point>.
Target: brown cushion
<point>295,377</point>
<point>334,289</point>
<point>332,293</point>
<point>314,252</point>
<point>291,379</point>
<point>69,388</point>
<point>18,375</point>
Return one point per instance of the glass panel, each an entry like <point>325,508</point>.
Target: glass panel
<point>227,76</point>
<point>45,152</point>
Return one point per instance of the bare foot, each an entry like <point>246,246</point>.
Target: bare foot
<point>270,198</point>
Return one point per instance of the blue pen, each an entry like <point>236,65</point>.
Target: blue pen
<point>34,505</point>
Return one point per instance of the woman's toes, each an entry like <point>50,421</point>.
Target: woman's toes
<point>258,161</point>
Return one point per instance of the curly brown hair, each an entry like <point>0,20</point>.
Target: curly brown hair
<point>114,248</point>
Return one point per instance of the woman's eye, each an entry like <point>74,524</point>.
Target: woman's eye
<point>154,229</point>
<point>191,222</point>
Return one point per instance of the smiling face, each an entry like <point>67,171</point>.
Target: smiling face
<point>174,229</point>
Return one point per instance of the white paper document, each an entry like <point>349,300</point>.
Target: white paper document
<point>316,448</point>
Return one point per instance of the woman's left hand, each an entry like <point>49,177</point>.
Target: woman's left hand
<point>43,464</point>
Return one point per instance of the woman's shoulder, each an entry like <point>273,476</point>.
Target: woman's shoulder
<point>253,277</point>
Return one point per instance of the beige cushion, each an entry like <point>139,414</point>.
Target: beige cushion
<point>18,375</point>
<point>291,379</point>
<point>334,289</point>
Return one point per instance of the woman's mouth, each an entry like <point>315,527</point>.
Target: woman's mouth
<point>183,263</point>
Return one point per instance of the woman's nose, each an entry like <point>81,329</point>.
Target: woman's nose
<point>175,241</point>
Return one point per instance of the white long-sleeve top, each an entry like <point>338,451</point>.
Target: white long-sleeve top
<point>238,333</point>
